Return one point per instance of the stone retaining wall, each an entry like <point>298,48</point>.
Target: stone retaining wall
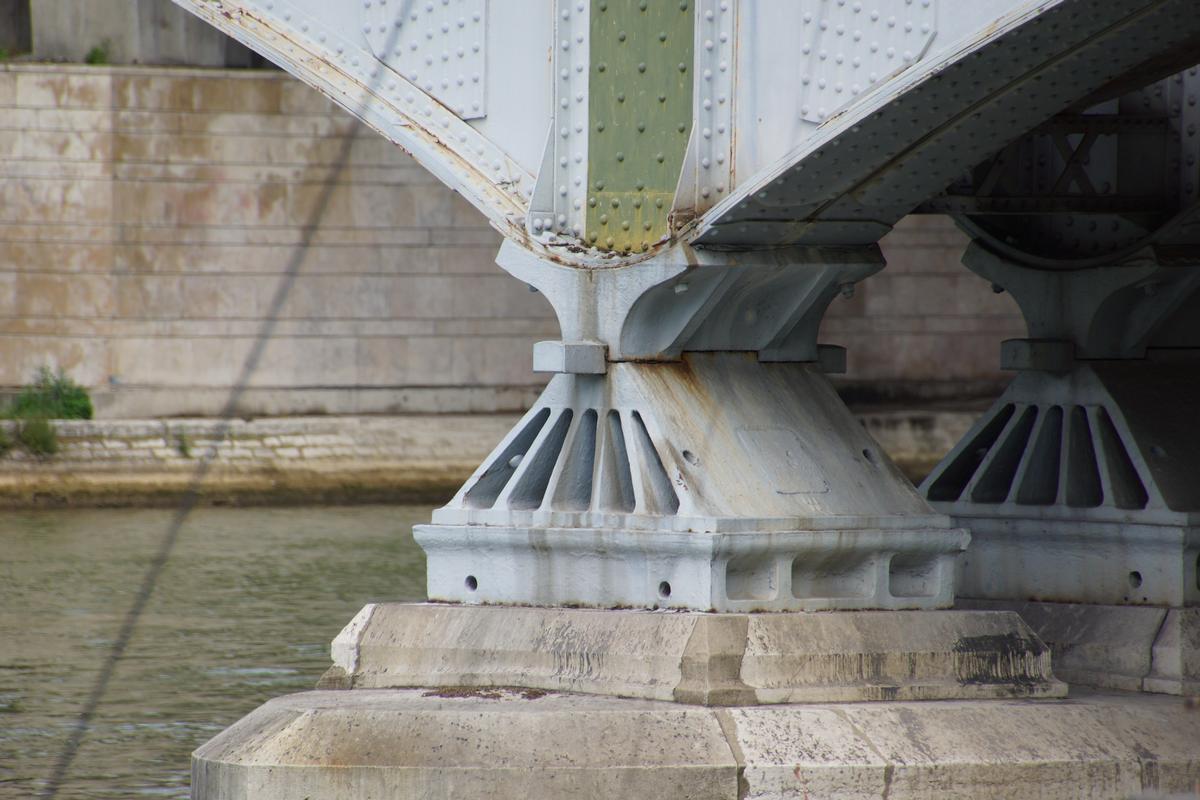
<point>180,443</point>
<point>418,458</point>
<point>149,215</point>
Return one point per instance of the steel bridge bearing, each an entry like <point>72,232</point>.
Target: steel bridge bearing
<point>715,483</point>
<point>1079,484</point>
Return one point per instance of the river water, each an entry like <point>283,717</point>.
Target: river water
<point>244,611</point>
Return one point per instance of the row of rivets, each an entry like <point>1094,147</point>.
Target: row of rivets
<point>714,100</point>
<point>641,115</point>
<point>850,46</point>
<point>439,45</point>
<point>561,208</point>
<point>417,107</point>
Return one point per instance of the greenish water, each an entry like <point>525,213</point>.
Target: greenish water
<point>244,611</point>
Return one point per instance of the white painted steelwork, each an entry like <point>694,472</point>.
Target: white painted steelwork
<point>441,47</point>
<point>815,125</point>
<point>717,483</point>
<point>1082,482</point>
<point>926,90</point>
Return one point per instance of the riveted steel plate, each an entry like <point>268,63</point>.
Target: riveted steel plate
<point>762,168</point>
<point>439,45</point>
<point>708,173</point>
<point>907,140</point>
<point>848,46</point>
<point>640,109</point>
<point>558,200</point>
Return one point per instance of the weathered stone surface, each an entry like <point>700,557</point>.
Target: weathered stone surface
<point>494,744</point>
<point>147,217</point>
<point>695,658</point>
<point>147,214</point>
<point>1176,654</point>
<point>1131,648</point>
<point>418,458</point>
<point>499,743</point>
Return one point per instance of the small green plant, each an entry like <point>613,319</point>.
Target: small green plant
<point>4,54</point>
<point>52,395</point>
<point>6,443</point>
<point>98,54</point>
<point>38,436</point>
<point>183,443</point>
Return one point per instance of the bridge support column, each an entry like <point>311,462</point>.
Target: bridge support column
<point>716,483</point>
<point>705,464</point>
<point>689,455</point>
<point>1081,484</point>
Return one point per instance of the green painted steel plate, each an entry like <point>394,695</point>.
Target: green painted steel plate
<point>640,106</point>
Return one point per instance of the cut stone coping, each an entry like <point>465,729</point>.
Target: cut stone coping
<point>697,658</point>
<point>514,745</point>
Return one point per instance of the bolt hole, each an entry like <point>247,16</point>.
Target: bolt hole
<point>664,589</point>
<point>1135,579</point>
<point>690,457</point>
<point>471,583</point>
<point>869,456</point>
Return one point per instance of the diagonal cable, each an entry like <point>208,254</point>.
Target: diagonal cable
<point>192,493</point>
<point>129,624</point>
